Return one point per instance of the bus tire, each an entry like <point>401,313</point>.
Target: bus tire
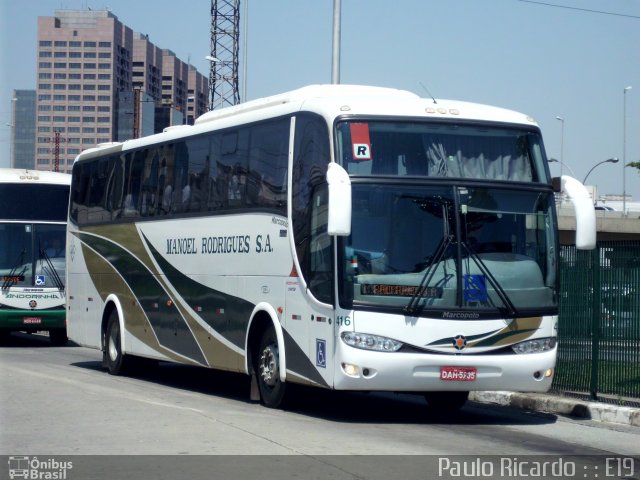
<point>58,337</point>
<point>446,402</point>
<point>117,363</point>
<point>272,389</point>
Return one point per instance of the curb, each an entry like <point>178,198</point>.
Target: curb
<point>601,412</point>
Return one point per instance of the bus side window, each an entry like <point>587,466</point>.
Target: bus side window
<point>150,183</point>
<point>164,199</point>
<point>237,182</point>
<point>217,188</point>
<point>181,188</point>
<point>135,166</point>
<point>79,192</point>
<point>115,186</point>
<point>320,249</point>
<point>234,162</point>
<point>267,185</point>
<point>221,187</point>
<point>309,212</point>
<point>195,193</point>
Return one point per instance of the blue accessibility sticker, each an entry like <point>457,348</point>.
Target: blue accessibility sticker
<point>475,288</point>
<point>321,353</point>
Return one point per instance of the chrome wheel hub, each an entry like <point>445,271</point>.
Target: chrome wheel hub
<point>112,345</point>
<point>269,365</point>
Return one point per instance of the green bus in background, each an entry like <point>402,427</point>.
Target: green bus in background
<point>33,217</point>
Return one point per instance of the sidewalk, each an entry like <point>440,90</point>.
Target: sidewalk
<point>602,412</point>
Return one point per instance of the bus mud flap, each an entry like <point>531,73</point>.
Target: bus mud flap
<point>254,395</point>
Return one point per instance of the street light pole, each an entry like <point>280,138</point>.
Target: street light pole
<point>11,142</point>
<point>211,61</point>
<point>561,144</point>
<point>624,149</point>
<point>335,64</point>
<point>609,160</point>
<point>552,160</point>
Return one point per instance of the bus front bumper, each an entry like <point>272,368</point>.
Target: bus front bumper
<point>358,369</point>
<point>32,320</point>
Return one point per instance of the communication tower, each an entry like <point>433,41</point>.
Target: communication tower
<point>223,72</point>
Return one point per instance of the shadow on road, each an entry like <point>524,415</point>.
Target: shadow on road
<point>336,406</point>
<point>32,340</point>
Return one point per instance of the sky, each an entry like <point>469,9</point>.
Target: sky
<point>549,58</point>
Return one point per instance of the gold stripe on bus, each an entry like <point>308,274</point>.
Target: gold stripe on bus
<point>215,352</point>
<point>125,235</point>
<point>107,281</point>
<point>518,330</point>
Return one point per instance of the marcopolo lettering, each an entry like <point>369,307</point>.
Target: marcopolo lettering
<point>460,315</point>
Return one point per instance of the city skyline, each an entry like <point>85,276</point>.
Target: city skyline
<point>545,61</point>
<point>98,82</point>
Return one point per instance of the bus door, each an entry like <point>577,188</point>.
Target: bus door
<point>321,286</point>
<point>310,311</point>
<point>311,326</point>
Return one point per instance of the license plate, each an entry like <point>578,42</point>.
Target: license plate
<point>458,374</point>
<point>31,320</point>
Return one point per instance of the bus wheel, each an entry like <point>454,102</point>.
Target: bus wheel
<point>446,402</point>
<point>116,361</point>
<point>58,337</point>
<point>272,389</point>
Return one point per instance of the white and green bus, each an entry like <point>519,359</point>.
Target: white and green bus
<point>345,237</point>
<point>33,217</point>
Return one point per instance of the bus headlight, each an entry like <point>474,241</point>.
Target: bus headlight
<point>367,341</point>
<point>538,345</point>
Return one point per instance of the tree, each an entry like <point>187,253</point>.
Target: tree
<point>635,165</point>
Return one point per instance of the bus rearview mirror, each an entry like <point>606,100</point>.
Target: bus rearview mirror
<point>584,212</point>
<point>339,222</point>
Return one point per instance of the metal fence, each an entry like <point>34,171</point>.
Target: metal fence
<point>599,324</point>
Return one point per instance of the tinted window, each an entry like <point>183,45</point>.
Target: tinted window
<point>244,167</point>
<point>313,245</point>
<point>441,150</point>
<point>34,202</point>
<point>195,189</point>
<point>267,181</point>
<point>233,167</point>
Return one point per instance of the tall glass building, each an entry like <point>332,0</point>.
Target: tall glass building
<point>23,128</point>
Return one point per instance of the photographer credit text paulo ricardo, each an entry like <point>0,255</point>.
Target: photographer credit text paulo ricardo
<point>537,467</point>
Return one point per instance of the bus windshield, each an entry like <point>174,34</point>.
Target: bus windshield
<point>32,255</point>
<point>420,248</point>
<point>471,151</point>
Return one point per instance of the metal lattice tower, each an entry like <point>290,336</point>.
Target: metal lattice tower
<point>225,34</point>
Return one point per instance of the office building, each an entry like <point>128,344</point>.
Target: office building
<point>99,81</point>
<point>23,128</point>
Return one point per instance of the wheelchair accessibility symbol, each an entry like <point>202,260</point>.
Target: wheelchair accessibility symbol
<point>321,353</point>
<point>40,281</point>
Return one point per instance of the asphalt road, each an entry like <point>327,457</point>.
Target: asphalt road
<point>57,401</point>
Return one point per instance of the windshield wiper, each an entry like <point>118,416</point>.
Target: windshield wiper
<point>414,302</point>
<point>49,269</point>
<point>437,206</point>
<point>506,301</point>
<point>10,279</point>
